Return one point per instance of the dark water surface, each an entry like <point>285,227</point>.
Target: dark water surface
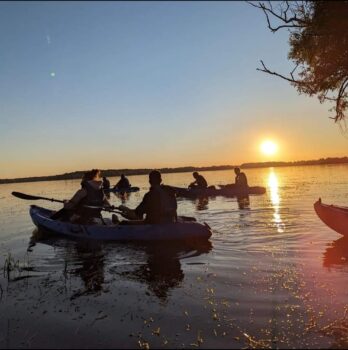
<point>272,275</point>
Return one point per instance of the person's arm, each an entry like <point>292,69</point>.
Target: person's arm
<point>141,209</point>
<point>75,200</point>
<point>138,212</point>
<point>192,184</point>
<point>128,213</point>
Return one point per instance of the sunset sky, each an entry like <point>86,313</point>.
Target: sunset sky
<point>148,84</point>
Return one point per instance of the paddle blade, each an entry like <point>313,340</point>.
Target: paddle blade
<point>34,198</point>
<point>24,196</point>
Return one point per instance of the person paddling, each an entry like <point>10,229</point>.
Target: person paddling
<point>241,179</point>
<point>158,205</point>
<point>106,183</point>
<point>123,183</point>
<point>92,194</point>
<point>200,182</point>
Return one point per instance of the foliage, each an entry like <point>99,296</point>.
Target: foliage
<point>318,38</point>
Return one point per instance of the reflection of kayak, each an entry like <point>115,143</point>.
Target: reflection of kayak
<point>176,231</point>
<point>333,216</point>
<point>123,190</point>
<point>337,253</point>
<point>227,191</point>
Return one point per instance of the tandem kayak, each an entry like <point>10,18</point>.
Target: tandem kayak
<point>122,190</point>
<point>226,191</point>
<point>175,231</point>
<point>333,216</point>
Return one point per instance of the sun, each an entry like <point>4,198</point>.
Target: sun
<point>268,147</point>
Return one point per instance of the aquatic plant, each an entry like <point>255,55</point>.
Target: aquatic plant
<point>10,265</point>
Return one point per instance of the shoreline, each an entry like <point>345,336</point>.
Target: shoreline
<point>145,171</point>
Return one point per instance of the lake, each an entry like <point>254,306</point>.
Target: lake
<point>271,276</point>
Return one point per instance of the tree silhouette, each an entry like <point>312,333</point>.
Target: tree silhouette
<point>318,38</point>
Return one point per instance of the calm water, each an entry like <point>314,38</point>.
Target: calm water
<point>272,275</point>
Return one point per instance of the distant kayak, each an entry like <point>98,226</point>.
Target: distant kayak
<point>226,190</point>
<point>123,190</point>
<point>333,216</point>
<point>181,230</point>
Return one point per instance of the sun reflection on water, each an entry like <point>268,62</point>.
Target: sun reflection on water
<point>275,200</point>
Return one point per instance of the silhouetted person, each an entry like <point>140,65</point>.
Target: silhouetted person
<point>200,182</point>
<point>123,183</point>
<point>241,179</point>
<point>106,183</point>
<point>158,205</point>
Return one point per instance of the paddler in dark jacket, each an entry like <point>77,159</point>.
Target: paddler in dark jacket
<point>91,193</point>
<point>241,179</point>
<point>200,182</point>
<point>158,205</point>
<point>123,183</point>
<point>106,183</point>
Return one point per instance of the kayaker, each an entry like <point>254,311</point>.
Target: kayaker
<point>158,205</point>
<point>200,182</point>
<point>91,193</point>
<point>123,183</point>
<point>241,179</point>
<point>106,183</point>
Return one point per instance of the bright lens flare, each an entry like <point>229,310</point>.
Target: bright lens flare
<point>268,148</point>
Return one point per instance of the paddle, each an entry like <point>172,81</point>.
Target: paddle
<point>34,198</point>
<point>111,209</point>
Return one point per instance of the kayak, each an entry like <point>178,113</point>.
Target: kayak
<point>181,230</point>
<point>333,216</point>
<point>226,191</point>
<point>122,190</point>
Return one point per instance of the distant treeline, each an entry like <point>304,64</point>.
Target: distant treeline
<point>320,161</point>
<point>118,172</point>
<point>115,172</point>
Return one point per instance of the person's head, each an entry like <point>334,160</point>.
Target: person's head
<point>86,177</point>
<point>122,176</point>
<point>155,178</point>
<point>195,174</point>
<point>237,171</point>
<point>95,174</point>
<point>104,178</point>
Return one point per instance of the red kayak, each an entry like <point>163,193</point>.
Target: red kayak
<point>333,216</point>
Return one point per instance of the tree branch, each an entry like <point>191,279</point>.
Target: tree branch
<point>292,22</point>
<point>266,70</point>
<point>340,102</point>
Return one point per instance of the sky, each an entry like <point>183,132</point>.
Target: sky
<point>115,85</point>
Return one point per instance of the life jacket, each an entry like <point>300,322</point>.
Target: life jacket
<point>95,197</point>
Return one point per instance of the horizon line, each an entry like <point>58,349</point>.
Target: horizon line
<point>143,171</point>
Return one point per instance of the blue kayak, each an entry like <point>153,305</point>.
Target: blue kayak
<point>181,230</point>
